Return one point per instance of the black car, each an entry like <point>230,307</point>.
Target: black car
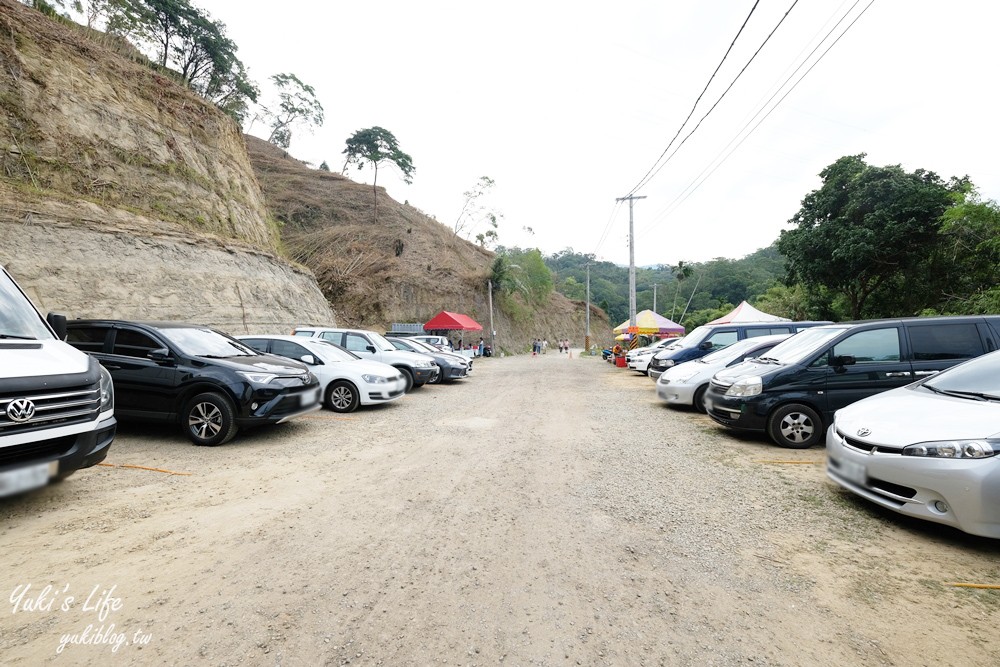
<point>209,383</point>
<point>792,392</point>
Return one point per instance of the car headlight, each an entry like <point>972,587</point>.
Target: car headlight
<point>954,449</point>
<point>259,378</point>
<point>667,363</point>
<point>374,379</point>
<point>424,364</point>
<point>750,386</point>
<point>107,391</point>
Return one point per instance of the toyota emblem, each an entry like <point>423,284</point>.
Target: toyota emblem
<point>20,410</point>
<point>864,431</point>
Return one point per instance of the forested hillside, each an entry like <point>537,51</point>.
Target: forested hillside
<point>870,242</point>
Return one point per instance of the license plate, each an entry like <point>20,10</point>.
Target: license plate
<point>24,479</point>
<point>853,472</point>
<point>309,398</point>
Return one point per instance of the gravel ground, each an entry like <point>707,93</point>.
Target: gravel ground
<point>546,511</point>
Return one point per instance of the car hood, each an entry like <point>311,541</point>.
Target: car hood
<point>261,363</point>
<point>907,415</point>
<point>368,366</point>
<point>23,358</point>
<point>742,370</point>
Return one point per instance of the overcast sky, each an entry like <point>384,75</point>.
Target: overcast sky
<point>567,105</point>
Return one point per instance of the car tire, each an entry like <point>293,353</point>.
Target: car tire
<point>342,396</point>
<point>439,378</point>
<point>699,399</point>
<point>795,426</point>
<point>408,376</point>
<point>209,419</point>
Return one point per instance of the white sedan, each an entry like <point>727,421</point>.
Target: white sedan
<point>638,359</point>
<point>347,380</point>
<point>927,450</point>
<point>685,384</point>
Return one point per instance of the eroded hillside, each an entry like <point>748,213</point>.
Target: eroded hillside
<point>124,194</point>
<point>403,267</point>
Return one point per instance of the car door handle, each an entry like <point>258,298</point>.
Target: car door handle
<point>923,373</point>
<point>898,374</point>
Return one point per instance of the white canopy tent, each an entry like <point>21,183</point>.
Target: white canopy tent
<point>747,313</point>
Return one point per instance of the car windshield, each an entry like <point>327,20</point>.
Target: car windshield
<point>18,319</point>
<point>328,351</point>
<point>426,347</point>
<point>804,343</point>
<point>198,342</point>
<point>694,338</point>
<point>978,378</point>
<point>379,341</point>
<point>730,352</point>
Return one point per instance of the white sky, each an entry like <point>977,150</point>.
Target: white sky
<point>566,105</point>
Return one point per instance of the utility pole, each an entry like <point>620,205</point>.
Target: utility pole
<point>586,340</point>
<point>489,296</point>
<point>654,297</point>
<point>631,267</point>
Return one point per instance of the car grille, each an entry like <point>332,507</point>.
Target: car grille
<point>36,451</point>
<point>868,447</point>
<point>721,386</point>
<point>69,405</point>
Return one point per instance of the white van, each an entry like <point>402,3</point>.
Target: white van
<point>56,403</point>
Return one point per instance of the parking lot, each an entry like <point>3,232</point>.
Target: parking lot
<point>547,510</point>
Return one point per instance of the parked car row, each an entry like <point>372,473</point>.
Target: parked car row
<point>908,408</point>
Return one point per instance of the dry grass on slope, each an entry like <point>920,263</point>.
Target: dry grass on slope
<point>397,268</point>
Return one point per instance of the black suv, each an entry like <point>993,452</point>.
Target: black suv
<point>193,375</point>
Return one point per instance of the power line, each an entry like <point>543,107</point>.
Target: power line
<point>651,175</point>
<point>643,180</point>
<point>696,183</point>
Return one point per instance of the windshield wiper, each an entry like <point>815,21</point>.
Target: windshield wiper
<point>978,395</point>
<point>765,360</point>
<point>12,336</point>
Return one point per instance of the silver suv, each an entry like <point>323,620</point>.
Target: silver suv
<point>417,369</point>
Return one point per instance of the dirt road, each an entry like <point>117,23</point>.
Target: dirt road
<point>545,511</point>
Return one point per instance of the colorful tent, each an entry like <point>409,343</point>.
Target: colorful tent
<point>747,313</point>
<point>649,323</point>
<point>445,321</point>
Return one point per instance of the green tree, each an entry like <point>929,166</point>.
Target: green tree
<point>377,146</point>
<point>323,166</point>
<point>866,227</point>
<point>971,234</point>
<point>297,104</point>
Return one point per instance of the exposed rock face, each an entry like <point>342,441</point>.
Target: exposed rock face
<point>124,194</point>
<point>86,261</point>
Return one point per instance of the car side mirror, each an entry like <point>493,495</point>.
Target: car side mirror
<point>58,323</point>
<point>160,355</point>
<point>370,348</point>
<point>843,360</point>
<point>707,345</point>
<point>309,359</point>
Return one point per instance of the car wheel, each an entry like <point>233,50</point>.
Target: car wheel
<point>342,396</point>
<point>438,378</point>
<point>699,399</point>
<point>408,376</point>
<point>795,426</point>
<point>209,419</point>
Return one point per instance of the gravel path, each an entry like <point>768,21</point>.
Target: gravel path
<point>546,511</point>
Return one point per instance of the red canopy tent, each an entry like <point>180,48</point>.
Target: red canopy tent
<point>445,321</point>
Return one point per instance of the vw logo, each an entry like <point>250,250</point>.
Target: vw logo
<point>864,431</point>
<point>20,410</point>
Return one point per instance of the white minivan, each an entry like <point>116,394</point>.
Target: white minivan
<point>56,403</point>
